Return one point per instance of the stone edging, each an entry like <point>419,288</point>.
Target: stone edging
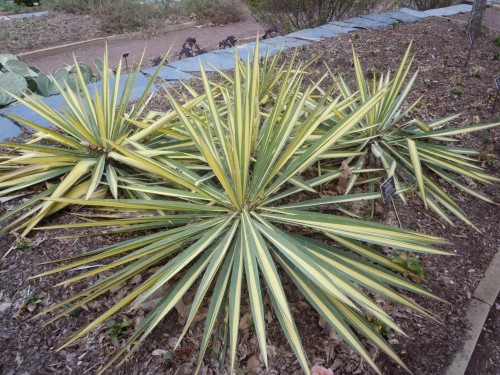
<point>482,301</point>
<point>92,42</point>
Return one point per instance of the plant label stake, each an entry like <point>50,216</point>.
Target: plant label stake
<point>125,55</point>
<point>472,38</point>
<point>388,188</point>
<point>497,84</point>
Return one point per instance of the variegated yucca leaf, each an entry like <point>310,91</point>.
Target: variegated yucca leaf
<point>172,140</point>
<point>415,152</point>
<point>227,236</point>
<point>77,152</point>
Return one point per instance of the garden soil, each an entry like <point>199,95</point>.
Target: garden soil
<point>441,47</point>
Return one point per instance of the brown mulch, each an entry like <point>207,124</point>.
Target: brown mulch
<point>440,49</point>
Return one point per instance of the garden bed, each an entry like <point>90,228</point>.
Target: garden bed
<point>440,48</point>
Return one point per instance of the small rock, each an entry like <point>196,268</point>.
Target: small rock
<point>159,353</point>
<point>4,306</point>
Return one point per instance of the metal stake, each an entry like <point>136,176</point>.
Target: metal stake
<point>125,55</point>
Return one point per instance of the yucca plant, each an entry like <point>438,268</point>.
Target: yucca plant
<point>233,232</point>
<point>414,152</point>
<point>74,160</point>
<point>173,140</point>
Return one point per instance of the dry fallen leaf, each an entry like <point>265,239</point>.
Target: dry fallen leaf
<point>344,178</point>
<point>320,370</point>
<point>182,311</point>
<point>242,351</point>
<point>246,321</point>
<point>269,317</point>
<point>135,280</point>
<point>151,301</point>
<point>201,315</point>
<point>253,365</point>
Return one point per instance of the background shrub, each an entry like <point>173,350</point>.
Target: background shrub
<point>118,15</point>
<point>215,11</point>
<point>431,4</point>
<point>288,15</point>
<point>28,3</point>
<point>115,15</point>
<point>74,6</point>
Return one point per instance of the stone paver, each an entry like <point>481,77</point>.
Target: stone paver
<point>347,28</point>
<point>210,61</point>
<point>285,42</point>
<point>380,18</point>
<point>169,73</point>
<point>449,11</point>
<point>8,129</point>
<point>140,85</point>
<point>401,16</point>
<point>413,12</point>
<point>314,34</point>
<point>20,110</point>
<point>337,29</point>
<point>364,23</point>
<point>246,51</point>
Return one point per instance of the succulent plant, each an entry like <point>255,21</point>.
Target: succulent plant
<point>38,82</point>
<point>99,65</point>
<point>12,82</point>
<point>16,66</point>
<point>4,57</point>
<point>47,83</point>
